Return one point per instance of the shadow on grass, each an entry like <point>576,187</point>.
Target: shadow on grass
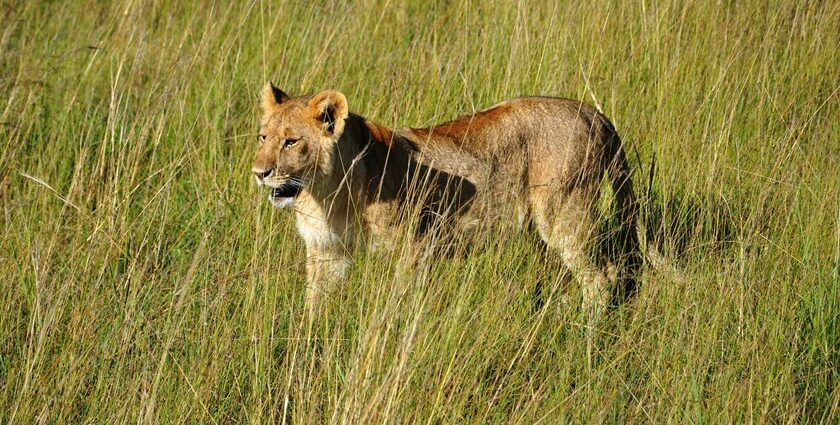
<point>680,224</point>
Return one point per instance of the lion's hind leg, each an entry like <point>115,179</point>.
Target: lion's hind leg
<point>568,227</point>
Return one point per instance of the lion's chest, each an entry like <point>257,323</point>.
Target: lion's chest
<point>315,227</point>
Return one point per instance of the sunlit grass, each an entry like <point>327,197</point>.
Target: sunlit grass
<point>145,278</point>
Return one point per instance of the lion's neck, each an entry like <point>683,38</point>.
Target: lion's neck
<point>369,162</point>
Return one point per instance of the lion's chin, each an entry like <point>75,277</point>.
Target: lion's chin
<point>281,202</point>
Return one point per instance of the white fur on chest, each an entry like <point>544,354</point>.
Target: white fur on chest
<point>313,225</point>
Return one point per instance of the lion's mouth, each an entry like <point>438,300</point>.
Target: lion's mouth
<point>284,195</point>
<point>288,190</point>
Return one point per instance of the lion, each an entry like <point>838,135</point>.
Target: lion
<point>528,161</point>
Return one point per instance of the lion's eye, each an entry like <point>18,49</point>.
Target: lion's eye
<point>261,138</point>
<point>289,143</point>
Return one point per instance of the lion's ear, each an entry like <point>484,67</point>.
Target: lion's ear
<point>330,108</point>
<point>272,96</point>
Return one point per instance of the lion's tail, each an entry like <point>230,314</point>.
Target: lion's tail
<point>618,171</point>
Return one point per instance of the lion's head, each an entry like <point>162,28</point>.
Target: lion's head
<point>297,138</point>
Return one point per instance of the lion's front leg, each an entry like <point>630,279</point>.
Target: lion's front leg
<point>325,268</point>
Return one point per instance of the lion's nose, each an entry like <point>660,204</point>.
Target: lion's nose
<point>261,174</point>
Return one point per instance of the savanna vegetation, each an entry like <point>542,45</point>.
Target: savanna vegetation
<point>145,278</point>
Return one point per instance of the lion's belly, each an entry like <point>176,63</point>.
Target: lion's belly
<point>382,228</point>
<point>488,196</point>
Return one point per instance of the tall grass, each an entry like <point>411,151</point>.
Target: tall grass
<point>146,279</point>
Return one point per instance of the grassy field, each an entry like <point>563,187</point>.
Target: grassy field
<point>145,278</point>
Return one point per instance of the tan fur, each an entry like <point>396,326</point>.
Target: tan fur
<point>533,159</point>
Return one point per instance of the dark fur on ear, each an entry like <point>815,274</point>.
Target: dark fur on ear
<point>330,107</point>
<point>272,96</point>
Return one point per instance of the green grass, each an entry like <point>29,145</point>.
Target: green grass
<point>145,278</point>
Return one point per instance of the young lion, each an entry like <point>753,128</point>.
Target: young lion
<point>534,160</point>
